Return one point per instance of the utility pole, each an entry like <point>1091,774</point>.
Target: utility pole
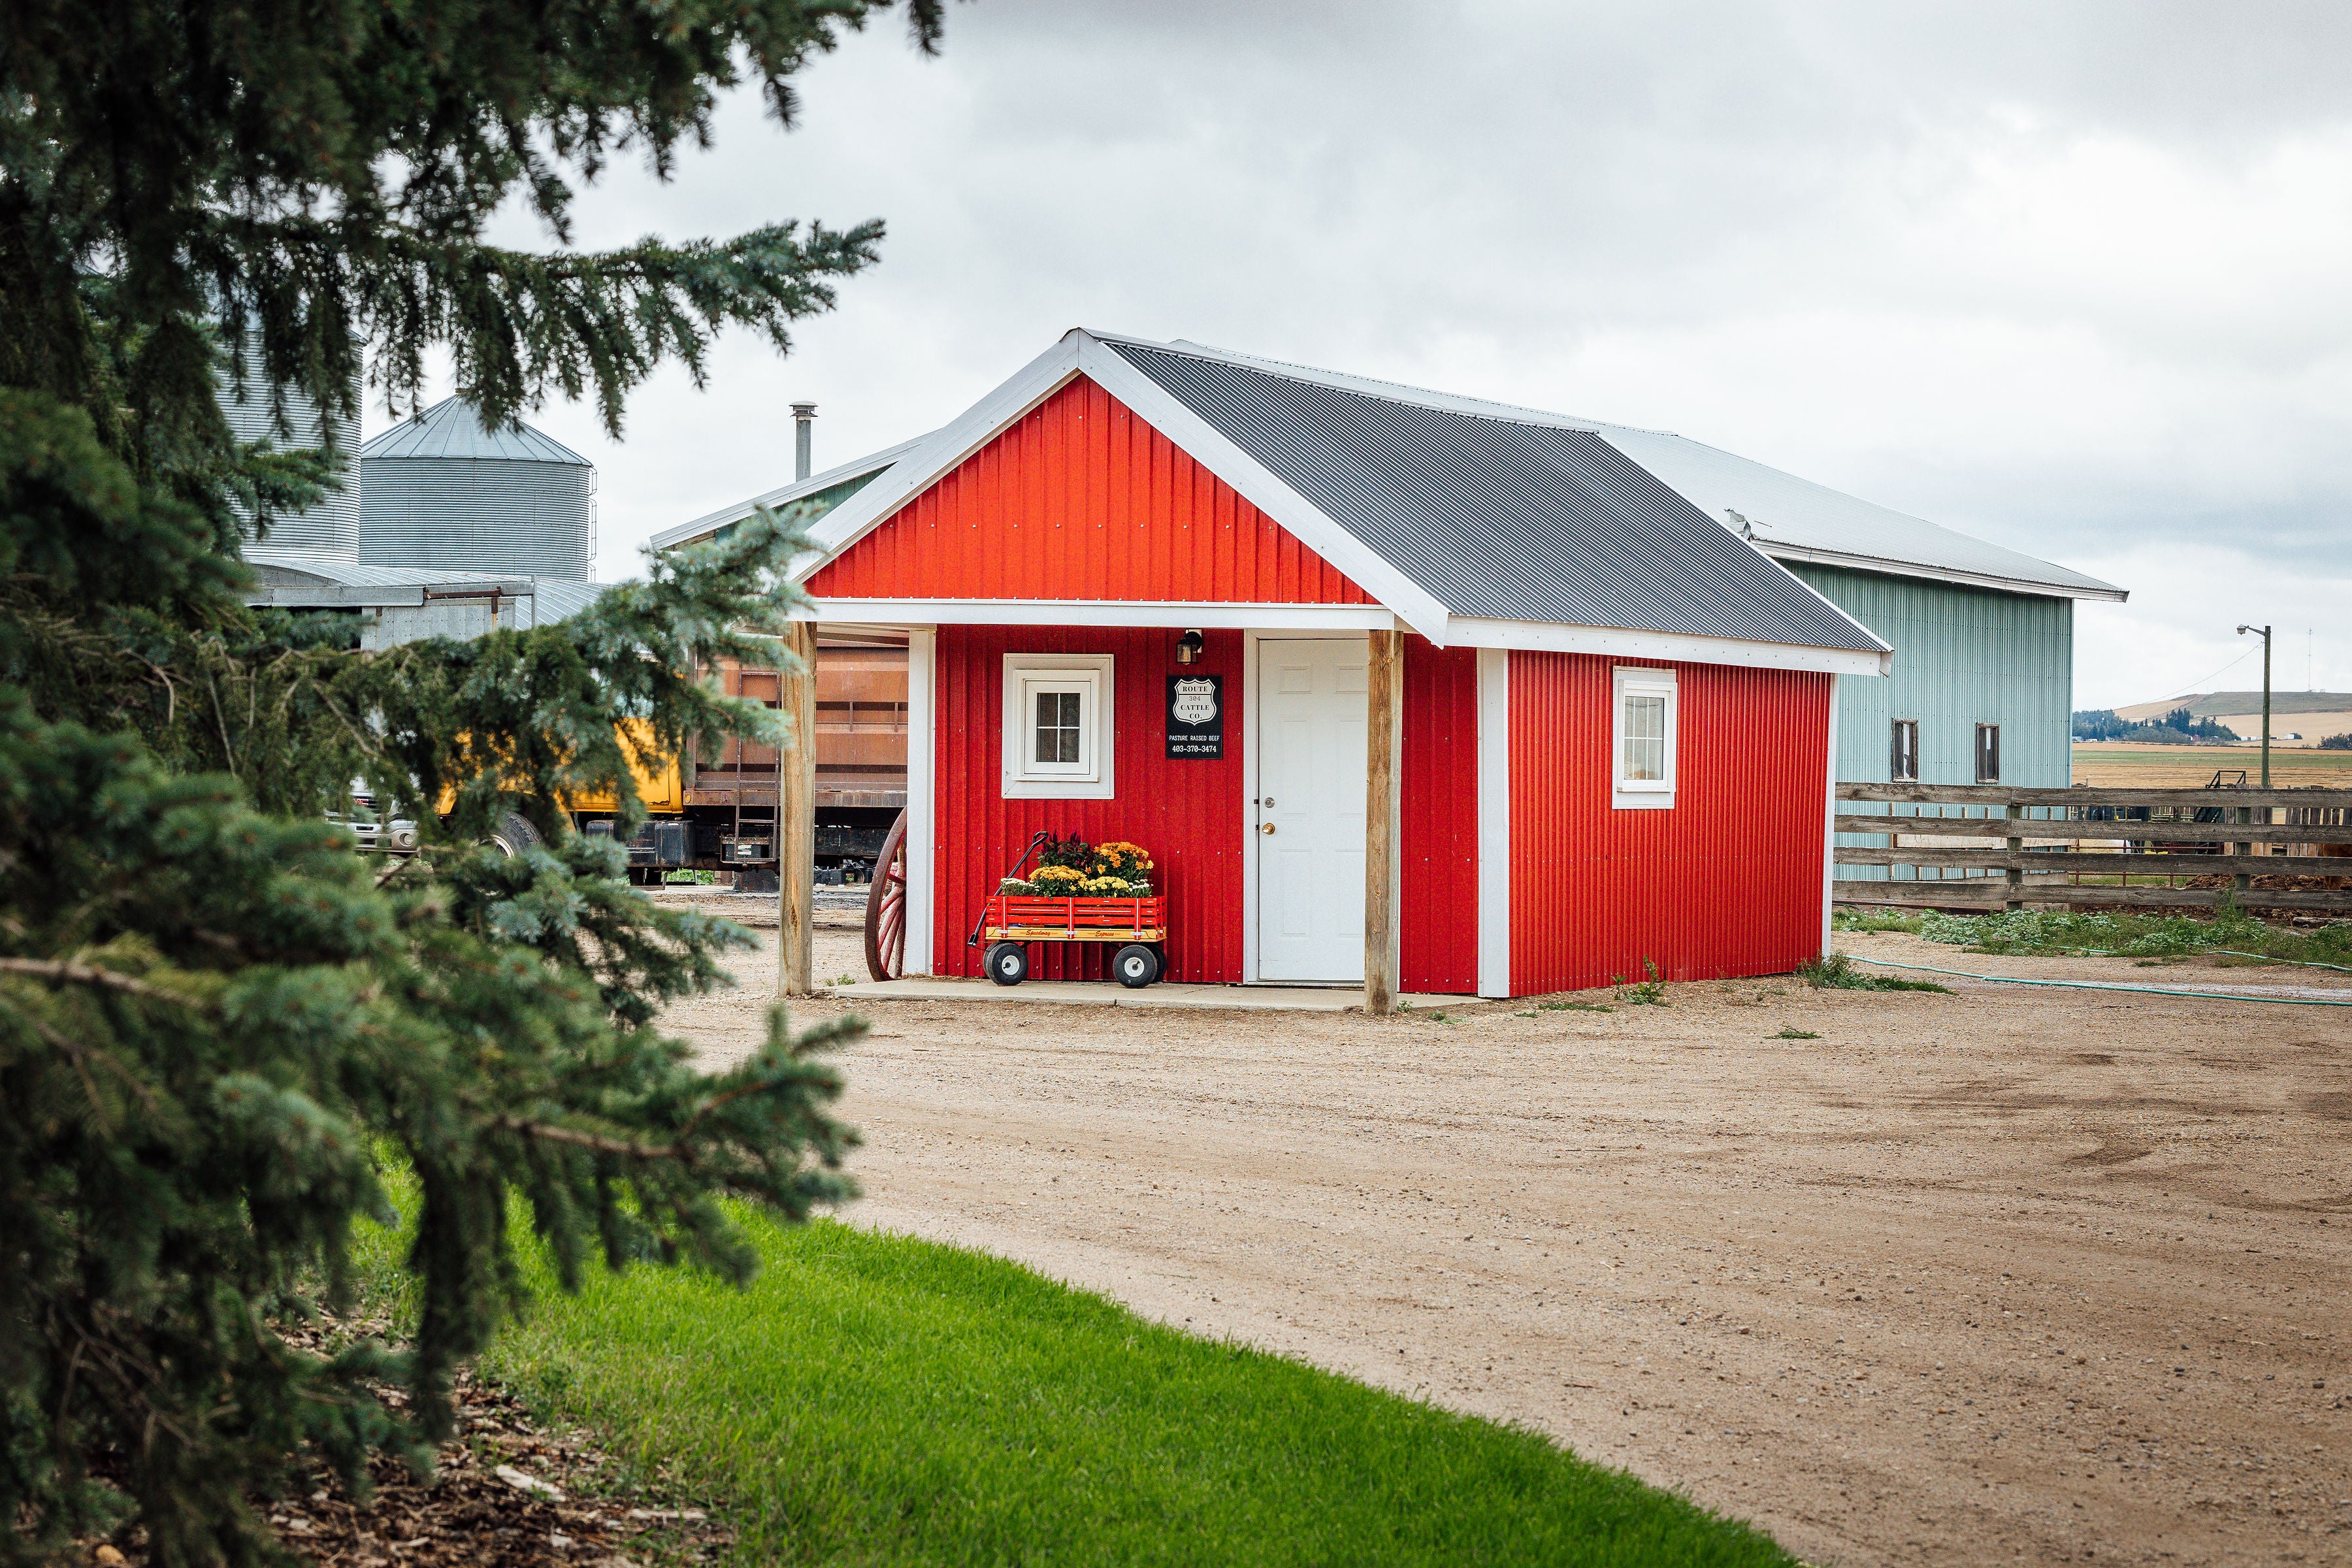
<point>2266,699</point>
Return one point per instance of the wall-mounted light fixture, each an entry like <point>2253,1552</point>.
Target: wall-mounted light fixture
<point>1188,648</point>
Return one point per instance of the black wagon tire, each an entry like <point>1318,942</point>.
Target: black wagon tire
<point>1135,965</point>
<point>1008,962</point>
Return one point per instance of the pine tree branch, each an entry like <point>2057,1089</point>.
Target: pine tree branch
<point>67,969</point>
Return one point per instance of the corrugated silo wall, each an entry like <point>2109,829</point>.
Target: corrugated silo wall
<point>475,514</point>
<point>1963,657</point>
<point>333,527</point>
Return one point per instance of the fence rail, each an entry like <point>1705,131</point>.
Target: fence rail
<point>2097,848</point>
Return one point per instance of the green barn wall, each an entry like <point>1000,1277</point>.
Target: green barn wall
<point>1962,656</point>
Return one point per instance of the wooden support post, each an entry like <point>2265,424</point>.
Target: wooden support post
<point>2243,882</point>
<point>1384,712</point>
<point>2016,877</point>
<point>796,817</point>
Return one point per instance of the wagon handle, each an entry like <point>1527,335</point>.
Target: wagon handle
<point>1036,841</point>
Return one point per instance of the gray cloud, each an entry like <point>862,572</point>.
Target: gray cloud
<point>2069,277</point>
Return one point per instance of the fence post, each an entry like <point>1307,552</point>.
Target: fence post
<point>2243,881</point>
<point>2016,876</point>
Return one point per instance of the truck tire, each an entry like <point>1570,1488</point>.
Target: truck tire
<point>513,835</point>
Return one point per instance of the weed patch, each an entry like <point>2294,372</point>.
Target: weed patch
<point>1837,973</point>
<point>1796,1034</point>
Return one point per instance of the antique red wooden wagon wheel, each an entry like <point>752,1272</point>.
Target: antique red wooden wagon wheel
<point>885,908</point>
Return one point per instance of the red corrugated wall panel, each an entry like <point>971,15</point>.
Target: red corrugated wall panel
<point>1728,882</point>
<point>1081,500</point>
<point>1438,811</point>
<point>1188,813</point>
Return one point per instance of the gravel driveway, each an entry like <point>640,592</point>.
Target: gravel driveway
<point>2007,1276</point>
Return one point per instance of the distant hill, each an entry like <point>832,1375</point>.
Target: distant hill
<point>2222,704</point>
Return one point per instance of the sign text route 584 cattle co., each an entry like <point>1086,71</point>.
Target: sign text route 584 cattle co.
<point>1196,717</point>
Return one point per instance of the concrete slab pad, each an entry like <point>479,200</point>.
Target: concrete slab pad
<point>1104,993</point>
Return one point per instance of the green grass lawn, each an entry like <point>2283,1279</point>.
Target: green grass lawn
<point>882,1400</point>
<point>2055,933</point>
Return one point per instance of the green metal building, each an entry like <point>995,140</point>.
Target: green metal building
<point>1980,687</point>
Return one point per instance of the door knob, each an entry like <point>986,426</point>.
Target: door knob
<point>1266,827</point>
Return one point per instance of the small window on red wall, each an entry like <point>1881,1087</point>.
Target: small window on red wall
<point>1057,726</point>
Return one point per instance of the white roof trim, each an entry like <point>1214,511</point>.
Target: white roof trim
<point>1209,448</point>
<point>710,523</point>
<point>1174,615</point>
<point>1885,566</point>
<point>934,455</point>
<point>1077,354</point>
<point>1543,637</point>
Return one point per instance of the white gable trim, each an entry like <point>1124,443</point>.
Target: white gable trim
<point>1079,354</point>
<point>1542,636</point>
<point>937,453</point>
<point>1209,448</point>
<point>712,523</point>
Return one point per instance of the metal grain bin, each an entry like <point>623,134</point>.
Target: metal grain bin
<point>441,492</point>
<point>329,531</point>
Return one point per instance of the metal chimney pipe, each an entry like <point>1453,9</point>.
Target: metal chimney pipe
<point>801,413</point>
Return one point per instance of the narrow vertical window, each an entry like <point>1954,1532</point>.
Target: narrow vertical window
<point>1903,754</point>
<point>1642,727</point>
<point>1988,753</point>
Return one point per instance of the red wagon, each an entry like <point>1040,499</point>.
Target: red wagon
<point>1012,921</point>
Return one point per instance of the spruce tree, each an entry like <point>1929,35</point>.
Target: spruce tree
<point>218,1022</point>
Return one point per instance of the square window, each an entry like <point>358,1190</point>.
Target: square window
<point>1644,721</point>
<point>1057,726</point>
<point>1988,753</point>
<point>1903,754</point>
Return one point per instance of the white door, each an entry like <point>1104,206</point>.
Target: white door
<point>1310,810</point>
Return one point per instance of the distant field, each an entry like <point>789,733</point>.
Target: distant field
<point>2188,767</point>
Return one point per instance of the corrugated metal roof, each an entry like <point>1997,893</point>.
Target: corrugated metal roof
<point>1788,517</point>
<point>1495,513</point>
<point>860,469</point>
<point>453,428</point>
<point>1797,519</point>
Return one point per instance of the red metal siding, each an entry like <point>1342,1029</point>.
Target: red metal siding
<point>1188,813</point>
<point>1728,882</point>
<point>1438,808</point>
<point>1081,500</point>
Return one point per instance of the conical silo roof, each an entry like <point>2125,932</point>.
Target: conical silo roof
<point>453,428</point>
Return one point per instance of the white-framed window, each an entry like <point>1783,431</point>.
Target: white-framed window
<point>1057,726</point>
<point>1642,737</point>
<point>1903,751</point>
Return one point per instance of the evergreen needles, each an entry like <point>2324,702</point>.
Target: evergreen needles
<point>216,1019</point>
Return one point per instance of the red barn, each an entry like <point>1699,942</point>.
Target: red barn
<point>1403,689</point>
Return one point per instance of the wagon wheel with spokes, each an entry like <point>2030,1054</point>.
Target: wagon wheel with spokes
<point>886,906</point>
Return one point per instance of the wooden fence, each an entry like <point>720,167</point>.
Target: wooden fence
<point>1991,846</point>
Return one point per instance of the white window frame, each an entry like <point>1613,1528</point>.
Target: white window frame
<point>1642,680</point>
<point>1090,778</point>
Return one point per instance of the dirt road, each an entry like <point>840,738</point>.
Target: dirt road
<point>2007,1276</point>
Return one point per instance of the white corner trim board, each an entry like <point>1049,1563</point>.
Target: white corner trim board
<point>1493,822</point>
<point>922,743</point>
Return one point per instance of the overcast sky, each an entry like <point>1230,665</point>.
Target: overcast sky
<point>2070,278</point>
